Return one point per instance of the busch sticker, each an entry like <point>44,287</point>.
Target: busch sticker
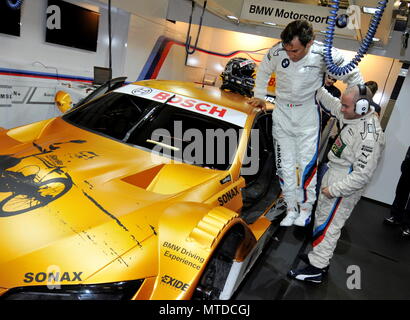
<point>203,107</point>
<point>285,63</point>
<point>338,147</point>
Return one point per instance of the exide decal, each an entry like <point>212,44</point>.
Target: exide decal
<point>175,283</point>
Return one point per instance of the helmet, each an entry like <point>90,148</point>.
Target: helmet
<point>239,76</point>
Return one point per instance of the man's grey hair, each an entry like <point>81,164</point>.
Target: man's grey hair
<point>356,93</point>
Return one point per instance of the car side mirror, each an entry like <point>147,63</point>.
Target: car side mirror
<point>63,101</point>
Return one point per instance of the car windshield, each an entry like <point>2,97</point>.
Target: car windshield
<point>160,128</point>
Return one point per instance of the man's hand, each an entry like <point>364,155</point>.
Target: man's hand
<point>257,103</point>
<point>326,192</point>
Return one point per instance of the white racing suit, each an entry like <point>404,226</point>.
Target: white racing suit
<point>296,118</point>
<point>352,162</point>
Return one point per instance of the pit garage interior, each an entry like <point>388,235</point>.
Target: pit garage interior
<point>148,39</point>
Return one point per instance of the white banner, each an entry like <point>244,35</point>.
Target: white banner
<point>20,94</point>
<point>282,13</point>
<point>191,104</point>
<point>6,96</point>
<point>42,96</point>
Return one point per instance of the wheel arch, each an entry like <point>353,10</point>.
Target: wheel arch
<point>189,235</point>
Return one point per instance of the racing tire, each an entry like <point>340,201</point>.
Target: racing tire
<point>214,277</point>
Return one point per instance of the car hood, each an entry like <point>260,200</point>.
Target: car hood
<point>74,201</point>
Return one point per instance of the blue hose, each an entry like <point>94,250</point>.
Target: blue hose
<point>364,46</point>
<point>15,4</point>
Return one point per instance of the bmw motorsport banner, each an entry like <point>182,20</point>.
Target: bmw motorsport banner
<point>282,13</point>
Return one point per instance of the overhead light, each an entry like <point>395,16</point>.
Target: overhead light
<point>270,23</point>
<point>369,10</point>
<point>232,18</point>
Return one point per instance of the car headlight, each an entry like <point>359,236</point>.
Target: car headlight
<point>107,291</point>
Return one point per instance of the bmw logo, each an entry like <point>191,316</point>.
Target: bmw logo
<point>341,21</point>
<point>141,91</point>
<point>285,63</point>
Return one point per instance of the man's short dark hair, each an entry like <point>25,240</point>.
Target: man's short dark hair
<point>298,28</point>
<point>372,85</point>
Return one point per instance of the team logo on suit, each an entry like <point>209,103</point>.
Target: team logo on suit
<point>285,63</point>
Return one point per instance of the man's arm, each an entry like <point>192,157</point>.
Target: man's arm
<point>329,103</point>
<point>265,70</point>
<point>367,157</point>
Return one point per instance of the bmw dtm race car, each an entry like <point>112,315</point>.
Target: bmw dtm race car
<point>155,190</point>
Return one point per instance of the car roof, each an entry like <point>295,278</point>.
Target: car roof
<point>206,93</point>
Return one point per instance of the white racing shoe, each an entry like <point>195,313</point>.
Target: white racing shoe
<point>291,215</point>
<point>304,217</point>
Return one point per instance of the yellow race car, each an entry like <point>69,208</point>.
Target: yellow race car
<point>156,190</point>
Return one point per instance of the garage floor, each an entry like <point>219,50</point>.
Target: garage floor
<point>378,250</point>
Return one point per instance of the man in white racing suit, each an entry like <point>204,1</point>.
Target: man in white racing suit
<point>353,159</point>
<point>298,62</point>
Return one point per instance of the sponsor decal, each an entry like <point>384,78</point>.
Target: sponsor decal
<point>285,63</point>
<point>174,283</point>
<point>141,91</point>
<point>53,276</point>
<point>195,105</point>
<point>228,196</point>
<point>226,179</point>
<point>362,161</point>
<point>338,147</point>
<point>367,149</point>
<point>270,99</point>
<point>245,63</point>
<point>278,159</point>
<point>182,255</point>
